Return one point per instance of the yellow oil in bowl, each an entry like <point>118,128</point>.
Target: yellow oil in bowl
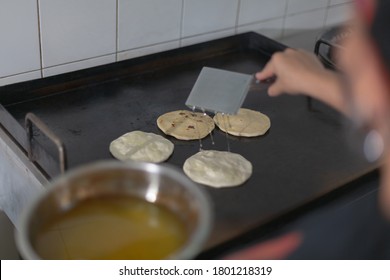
<point>111,227</point>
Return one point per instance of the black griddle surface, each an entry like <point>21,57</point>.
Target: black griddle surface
<point>304,155</point>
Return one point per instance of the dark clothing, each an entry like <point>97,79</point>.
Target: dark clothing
<point>356,230</point>
<point>380,30</point>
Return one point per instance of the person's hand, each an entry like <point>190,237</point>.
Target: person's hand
<point>296,72</point>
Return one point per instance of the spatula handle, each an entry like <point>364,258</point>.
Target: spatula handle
<point>261,85</point>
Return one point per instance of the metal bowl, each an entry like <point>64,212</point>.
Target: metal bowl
<point>154,183</point>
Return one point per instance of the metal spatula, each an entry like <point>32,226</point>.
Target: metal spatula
<point>219,91</point>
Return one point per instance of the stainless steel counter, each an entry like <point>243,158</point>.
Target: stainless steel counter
<point>20,179</point>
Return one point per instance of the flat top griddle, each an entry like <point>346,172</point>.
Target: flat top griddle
<point>303,156</point>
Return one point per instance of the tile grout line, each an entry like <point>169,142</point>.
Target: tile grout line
<point>174,40</point>
<point>80,60</point>
<point>21,73</point>
<point>326,8</point>
<point>181,24</point>
<point>237,17</point>
<point>148,46</point>
<point>326,14</point>
<point>261,21</point>
<point>40,39</point>
<point>207,33</point>
<point>308,11</point>
<point>117,31</point>
<point>284,19</point>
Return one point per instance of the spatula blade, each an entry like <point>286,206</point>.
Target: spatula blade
<point>220,91</point>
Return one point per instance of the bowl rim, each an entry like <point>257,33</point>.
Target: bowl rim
<point>191,247</point>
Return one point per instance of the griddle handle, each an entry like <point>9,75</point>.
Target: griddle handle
<point>33,119</point>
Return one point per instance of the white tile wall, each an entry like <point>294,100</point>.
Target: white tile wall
<point>203,16</point>
<point>298,6</point>
<point>75,30</point>
<point>148,50</point>
<point>304,21</point>
<point>335,2</point>
<point>73,66</point>
<point>207,37</point>
<point>259,10</point>
<point>19,45</point>
<point>49,37</point>
<point>338,14</point>
<point>271,28</point>
<point>20,77</point>
<point>147,22</point>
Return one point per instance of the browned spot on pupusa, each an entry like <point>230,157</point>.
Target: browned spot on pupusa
<point>187,125</point>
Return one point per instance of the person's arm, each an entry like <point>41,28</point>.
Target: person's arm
<point>300,72</point>
<point>274,249</point>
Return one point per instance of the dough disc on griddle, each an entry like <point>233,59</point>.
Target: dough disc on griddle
<point>218,169</point>
<point>141,146</point>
